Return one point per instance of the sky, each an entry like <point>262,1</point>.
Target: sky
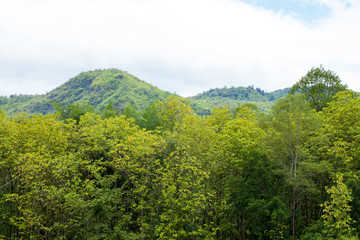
<point>182,46</point>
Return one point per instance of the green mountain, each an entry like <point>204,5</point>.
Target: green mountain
<point>235,96</point>
<point>97,88</point>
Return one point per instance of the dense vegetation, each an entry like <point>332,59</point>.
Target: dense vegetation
<point>235,96</point>
<point>290,173</point>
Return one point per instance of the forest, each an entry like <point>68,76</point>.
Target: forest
<point>169,173</point>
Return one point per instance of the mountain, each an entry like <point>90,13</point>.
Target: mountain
<point>235,96</point>
<point>97,88</point>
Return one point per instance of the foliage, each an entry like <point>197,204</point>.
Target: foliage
<point>241,93</point>
<point>291,126</point>
<point>233,97</point>
<point>342,130</point>
<point>73,111</point>
<point>172,112</point>
<point>336,217</point>
<point>161,171</point>
<point>43,182</point>
<point>319,86</point>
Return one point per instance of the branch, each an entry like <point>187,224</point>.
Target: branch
<point>7,183</point>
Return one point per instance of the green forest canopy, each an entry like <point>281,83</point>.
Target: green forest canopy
<point>290,173</point>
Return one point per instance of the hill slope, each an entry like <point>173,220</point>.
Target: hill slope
<point>98,88</point>
<point>235,96</point>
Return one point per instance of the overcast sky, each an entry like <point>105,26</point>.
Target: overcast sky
<point>182,46</point>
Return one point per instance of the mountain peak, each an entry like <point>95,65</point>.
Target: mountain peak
<point>98,88</point>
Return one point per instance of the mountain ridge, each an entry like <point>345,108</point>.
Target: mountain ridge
<point>99,87</point>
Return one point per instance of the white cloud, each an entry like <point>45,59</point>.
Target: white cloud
<point>186,46</point>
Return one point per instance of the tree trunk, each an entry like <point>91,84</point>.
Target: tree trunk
<point>293,211</point>
<point>294,193</point>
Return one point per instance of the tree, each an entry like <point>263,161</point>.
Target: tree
<point>172,112</point>
<point>251,106</point>
<point>291,124</point>
<point>150,118</point>
<point>336,217</point>
<point>182,198</point>
<point>74,111</point>
<point>319,86</point>
<point>342,130</point>
<point>254,199</point>
<point>120,163</point>
<point>109,111</point>
<point>45,187</point>
<point>130,111</point>
<point>245,181</point>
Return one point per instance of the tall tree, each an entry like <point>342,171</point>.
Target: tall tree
<point>292,122</point>
<point>319,86</point>
<point>120,162</point>
<point>342,130</point>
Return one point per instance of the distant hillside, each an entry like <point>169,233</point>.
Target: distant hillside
<point>98,88</point>
<point>235,96</point>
